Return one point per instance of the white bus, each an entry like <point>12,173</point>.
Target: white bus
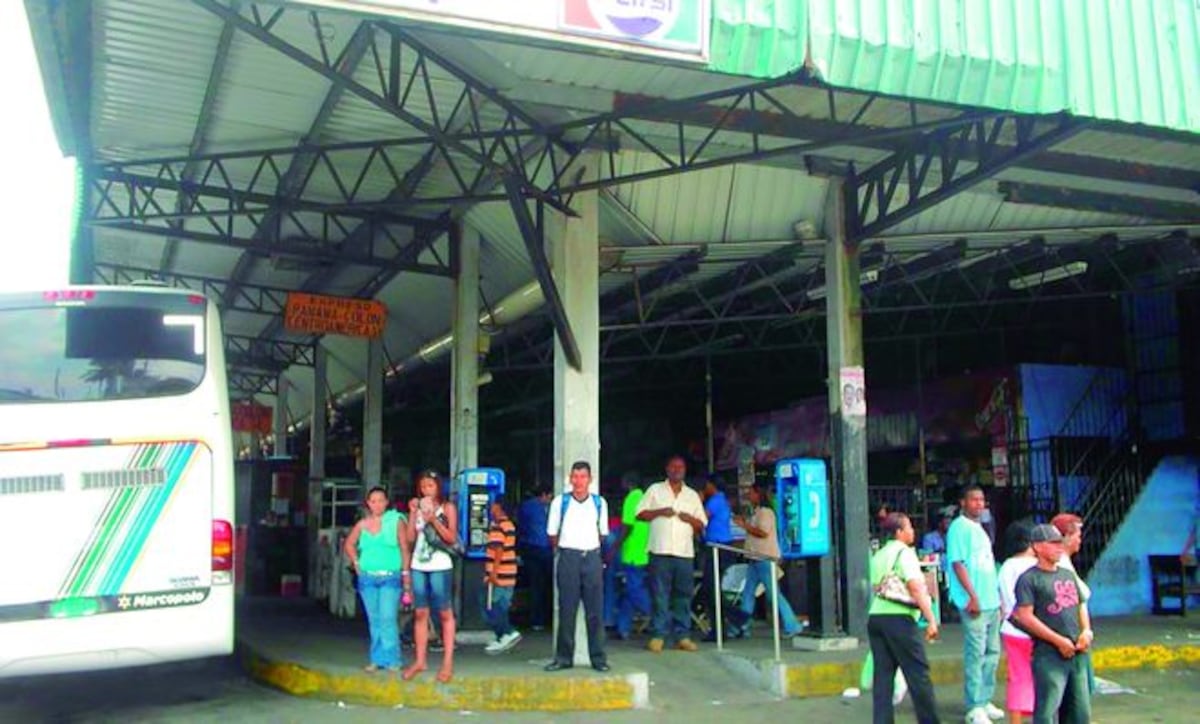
<point>116,480</point>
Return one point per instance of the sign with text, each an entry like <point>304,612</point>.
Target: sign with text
<point>249,417</point>
<point>320,314</point>
<point>677,28</point>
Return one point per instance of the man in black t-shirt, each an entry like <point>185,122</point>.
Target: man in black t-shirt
<point>1051,609</point>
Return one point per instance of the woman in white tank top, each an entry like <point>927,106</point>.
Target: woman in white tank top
<point>433,525</point>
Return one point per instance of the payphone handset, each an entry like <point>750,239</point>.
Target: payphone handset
<point>475,491</point>
<point>802,492</point>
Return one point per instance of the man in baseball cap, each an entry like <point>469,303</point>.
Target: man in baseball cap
<point>1051,608</point>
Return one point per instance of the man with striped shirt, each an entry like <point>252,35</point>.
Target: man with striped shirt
<point>501,576</point>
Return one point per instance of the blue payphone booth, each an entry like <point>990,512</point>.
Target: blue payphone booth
<point>476,490</point>
<point>802,496</point>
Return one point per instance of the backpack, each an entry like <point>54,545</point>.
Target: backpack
<point>566,502</point>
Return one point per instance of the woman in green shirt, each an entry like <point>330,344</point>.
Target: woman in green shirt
<point>892,625</point>
<point>376,548</point>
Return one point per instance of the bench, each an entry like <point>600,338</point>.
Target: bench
<point>1172,577</point>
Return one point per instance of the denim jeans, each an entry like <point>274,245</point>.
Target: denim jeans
<point>634,597</point>
<point>432,590</point>
<point>497,615</point>
<point>1060,688</point>
<point>381,600</point>
<point>671,585</point>
<point>761,572</point>
<point>981,656</point>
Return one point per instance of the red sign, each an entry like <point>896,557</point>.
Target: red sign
<point>320,314</point>
<point>249,417</point>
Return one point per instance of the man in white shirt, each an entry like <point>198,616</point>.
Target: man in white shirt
<point>676,516</point>
<point>578,521</point>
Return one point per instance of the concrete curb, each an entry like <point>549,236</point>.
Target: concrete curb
<point>465,693</point>
<point>831,679</point>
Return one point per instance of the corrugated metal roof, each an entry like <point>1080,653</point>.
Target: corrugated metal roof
<point>740,202</point>
<point>1136,61</point>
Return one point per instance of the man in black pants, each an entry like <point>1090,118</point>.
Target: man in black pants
<point>1051,609</point>
<point>577,523</point>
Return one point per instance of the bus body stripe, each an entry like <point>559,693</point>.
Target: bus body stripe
<point>124,505</point>
<point>77,566</point>
<point>157,456</point>
<point>178,459</point>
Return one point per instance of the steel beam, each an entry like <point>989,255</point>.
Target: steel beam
<point>531,233</point>
<point>301,165</point>
<point>1123,204</point>
<point>768,119</point>
<point>200,133</point>
<point>250,298</point>
<point>872,195</point>
<point>312,250</point>
<point>278,353</point>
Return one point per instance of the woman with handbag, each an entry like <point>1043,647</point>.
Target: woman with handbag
<point>900,594</point>
<point>433,527</point>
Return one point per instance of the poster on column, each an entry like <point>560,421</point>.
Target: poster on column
<point>854,391</point>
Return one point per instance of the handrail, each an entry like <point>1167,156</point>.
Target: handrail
<point>719,623</point>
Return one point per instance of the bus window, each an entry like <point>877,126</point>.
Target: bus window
<point>99,352</point>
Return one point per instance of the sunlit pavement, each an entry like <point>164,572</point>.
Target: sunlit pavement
<point>217,691</point>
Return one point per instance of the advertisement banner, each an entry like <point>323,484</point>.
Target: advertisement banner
<point>320,314</point>
<point>673,28</point>
<point>978,406</point>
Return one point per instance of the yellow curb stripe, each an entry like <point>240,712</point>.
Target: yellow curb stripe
<point>489,693</point>
<point>831,679</point>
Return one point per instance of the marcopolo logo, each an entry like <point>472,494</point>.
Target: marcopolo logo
<point>675,24</point>
<point>164,599</point>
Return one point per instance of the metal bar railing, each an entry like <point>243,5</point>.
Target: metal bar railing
<point>716,549</point>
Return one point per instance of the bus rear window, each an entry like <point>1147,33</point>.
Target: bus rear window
<point>99,352</point>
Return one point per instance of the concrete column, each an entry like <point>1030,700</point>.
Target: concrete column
<point>281,417</point>
<point>574,250</point>
<point>372,444</point>
<point>320,421</point>
<point>464,391</point>
<point>843,324</point>
<point>317,434</point>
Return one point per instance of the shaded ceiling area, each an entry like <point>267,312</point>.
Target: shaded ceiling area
<point>251,149</point>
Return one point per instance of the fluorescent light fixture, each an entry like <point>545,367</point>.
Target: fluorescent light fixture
<point>867,276</point>
<point>1047,276</point>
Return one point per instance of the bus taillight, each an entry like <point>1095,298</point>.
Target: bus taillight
<point>222,551</point>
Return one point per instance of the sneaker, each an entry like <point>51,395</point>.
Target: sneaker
<point>436,647</point>
<point>687,645</point>
<point>655,646</point>
<point>493,647</point>
<point>508,640</point>
<point>978,715</point>
<point>994,712</point>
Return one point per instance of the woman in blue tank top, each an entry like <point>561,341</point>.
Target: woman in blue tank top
<point>377,548</point>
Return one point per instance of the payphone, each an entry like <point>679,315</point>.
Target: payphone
<point>475,491</point>
<point>802,497</point>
